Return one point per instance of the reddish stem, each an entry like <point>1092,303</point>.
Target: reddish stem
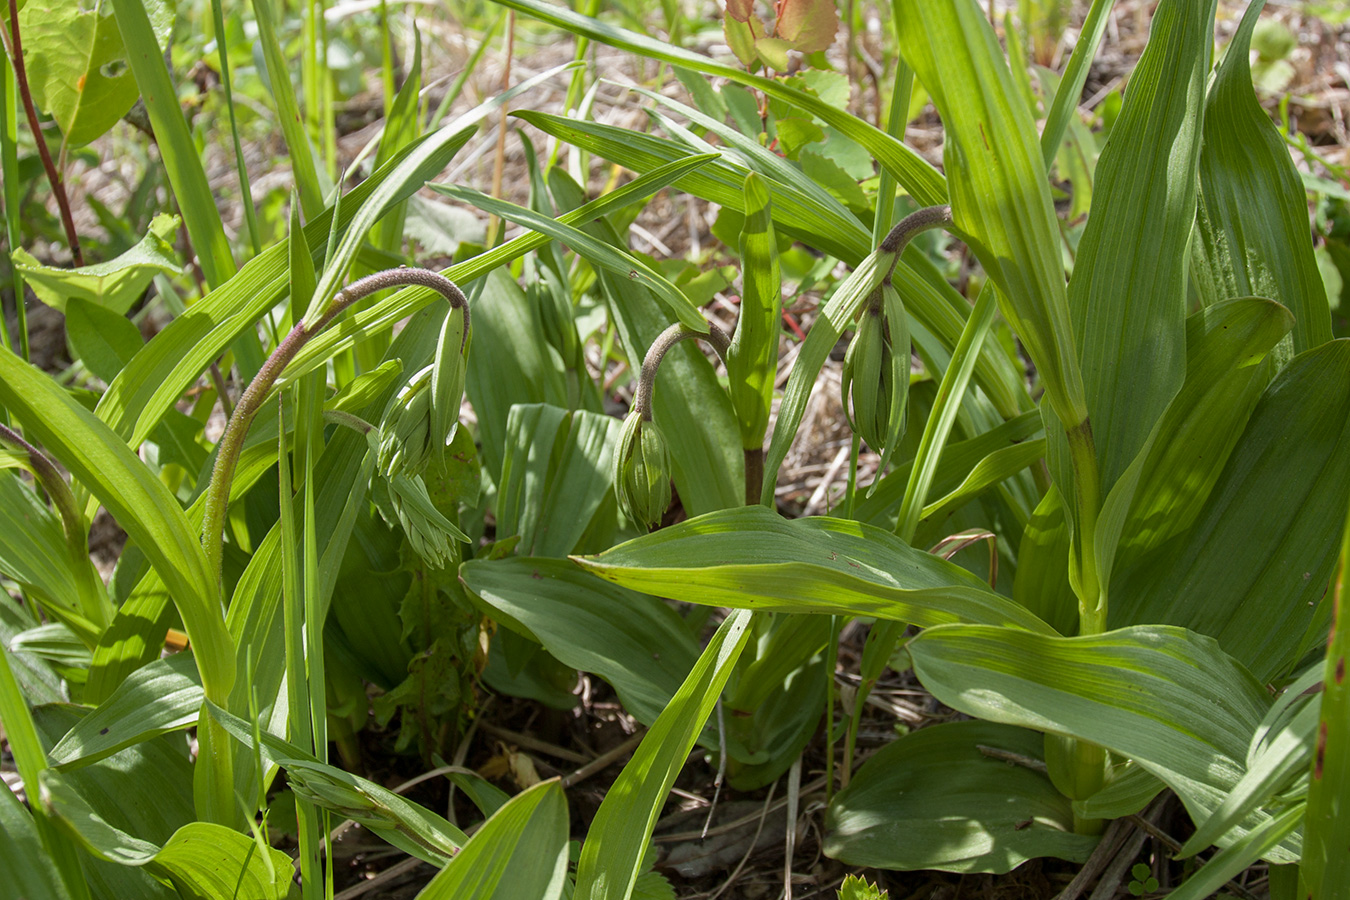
<point>53,176</point>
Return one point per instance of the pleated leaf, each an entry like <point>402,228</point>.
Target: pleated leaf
<point>1128,292</point>
<point>933,800</point>
<point>637,643</point>
<point>1000,195</point>
<point>751,558</point>
<point>1253,568</point>
<point>1252,234</point>
<point>1169,699</point>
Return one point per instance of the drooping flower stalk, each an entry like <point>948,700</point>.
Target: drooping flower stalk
<point>232,441</point>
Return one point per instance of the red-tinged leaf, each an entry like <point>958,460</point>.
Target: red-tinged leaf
<point>740,10</point>
<point>741,35</point>
<point>809,24</point>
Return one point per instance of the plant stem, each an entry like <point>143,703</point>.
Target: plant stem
<point>905,230</point>
<point>92,595</point>
<point>53,176</point>
<point>754,475</point>
<point>715,336</point>
<point>232,441</point>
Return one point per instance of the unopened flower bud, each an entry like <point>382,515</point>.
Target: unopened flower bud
<point>405,429</point>
<point>642,471</point>
<point>865,380</point>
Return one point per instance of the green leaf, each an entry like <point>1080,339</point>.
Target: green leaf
<point>176,357</point>
<point>1064,108</point>
<point>1253,567</point>
<point>1000,194</point>
<point>176,147</point>
<point>32,545</point>
<point>103,340</point>
<point>164,696</point>
<point>30,872</point>
<point>1128,293</point>
<point>1252,222</point>
<point>1327,825</point>
<point>138,500</point>
<point>115,284</point>
<point>919,178</point>
<point>752,361</point>
<point>409,171</point>
<point>611,858</point>
<point>203,860</point>
<point>405,824</point>
<point>520,852</point>
<point>592,249</point>
<point>299,151</point>
<point>933,800</point>
<point>751,558</point>
<point>689,406</point>
<point>555,476</point>
<point>1226,373</point>
<point>78,67</point>
<point>1167,698</point>
<point>636,642</point>
<point>406,302</point>
<point>1237,856</point>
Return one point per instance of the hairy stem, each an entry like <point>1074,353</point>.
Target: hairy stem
<point>919,221</point>
<point>232,441</point>
<point>53,176</point>
<point>92,597</point>
<point>657,352</point>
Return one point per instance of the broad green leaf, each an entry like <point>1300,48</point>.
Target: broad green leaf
<point>636,642</point>
<point>933,800</point>
<point>1252,223</point>
<point>176,147</point>
<point>520,852</point>
<point>752,361</point>
<point>508,365</point>
<point>115,284</point>
<point>204,861</point>
<point>611,858</point>
<point>1042,583</point>
<point>163,696</point>
<point>1253,567</point>
<point>27,869</point>
<point>595,251</point>
<point>1167,698</point>
<point>409,171</point>
<point>1000,195</point>
<point>554,477</point>
<point>1226,345</point>
<point>688,405</point>
<point>1128,292</point>
<point>32,545</point>
<point>917,177</point>
<point>145,790</point>
<point>1325,868</point>
<point>751,558</point>
<point>103,340</point>
<point>77,65</point>
<point>138,500</point>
